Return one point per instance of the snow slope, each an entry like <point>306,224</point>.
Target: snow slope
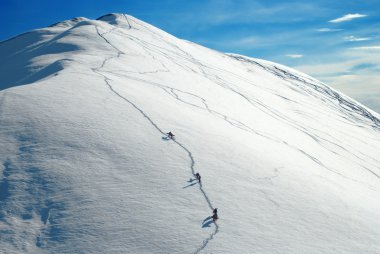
<point>292,165</point>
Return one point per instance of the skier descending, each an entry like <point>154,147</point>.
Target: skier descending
<point>170,135</point>
<point>198,176</point>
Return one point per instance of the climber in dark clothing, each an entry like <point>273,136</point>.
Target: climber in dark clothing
<point>214,214</point>
<point>198,176</point>
<point>170,135</point>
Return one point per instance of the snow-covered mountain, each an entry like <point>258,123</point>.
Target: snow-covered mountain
<point>292,165</point>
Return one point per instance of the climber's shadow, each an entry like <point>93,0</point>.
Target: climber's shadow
<point>207,222</point>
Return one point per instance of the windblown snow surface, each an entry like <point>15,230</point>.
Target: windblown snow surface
<point>292,165</point>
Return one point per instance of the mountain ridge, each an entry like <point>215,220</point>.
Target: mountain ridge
<point>291,164</point>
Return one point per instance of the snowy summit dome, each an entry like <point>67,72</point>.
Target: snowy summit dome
<point>69,23</point>
<point>87,164</point>
<point>117,19</point>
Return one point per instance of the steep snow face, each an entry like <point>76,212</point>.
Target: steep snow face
<point>292,165</point>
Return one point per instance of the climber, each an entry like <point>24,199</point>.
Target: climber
<point>198,176</point>
<point>170,135</point>
<point>215,214</point>
<point>214,217</point>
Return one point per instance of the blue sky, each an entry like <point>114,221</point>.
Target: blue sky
<point>337,42</point>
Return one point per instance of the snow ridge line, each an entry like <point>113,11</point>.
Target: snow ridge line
<point>322,88</point>
<point>190,155</point>
<point>255,103</point>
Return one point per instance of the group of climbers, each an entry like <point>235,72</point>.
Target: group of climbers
<point>198,177</point>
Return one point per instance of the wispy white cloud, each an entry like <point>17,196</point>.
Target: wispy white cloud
<point>348,17</point>
<point>327,30</point>
<point>367,48</point>
<point>226,12</point>
<point>361,87</point>
<point>354,72</point>
<point>294,55</point>
<point>353,38</point>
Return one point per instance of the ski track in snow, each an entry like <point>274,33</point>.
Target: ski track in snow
<point>345,104</point>
<point>349,112</point>
<point>216,79</point>
<point>190,155</point>
<point>238,124</point>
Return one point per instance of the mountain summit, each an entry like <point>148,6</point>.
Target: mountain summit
<point>292,165</point>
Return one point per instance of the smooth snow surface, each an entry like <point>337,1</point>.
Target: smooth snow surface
<point>292,165</point>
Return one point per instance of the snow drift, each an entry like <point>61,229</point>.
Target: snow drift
<point>292,164</point>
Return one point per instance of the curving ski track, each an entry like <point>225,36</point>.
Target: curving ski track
<point>215,78</point>
<point>347,106</point>
<point>190,155</point>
